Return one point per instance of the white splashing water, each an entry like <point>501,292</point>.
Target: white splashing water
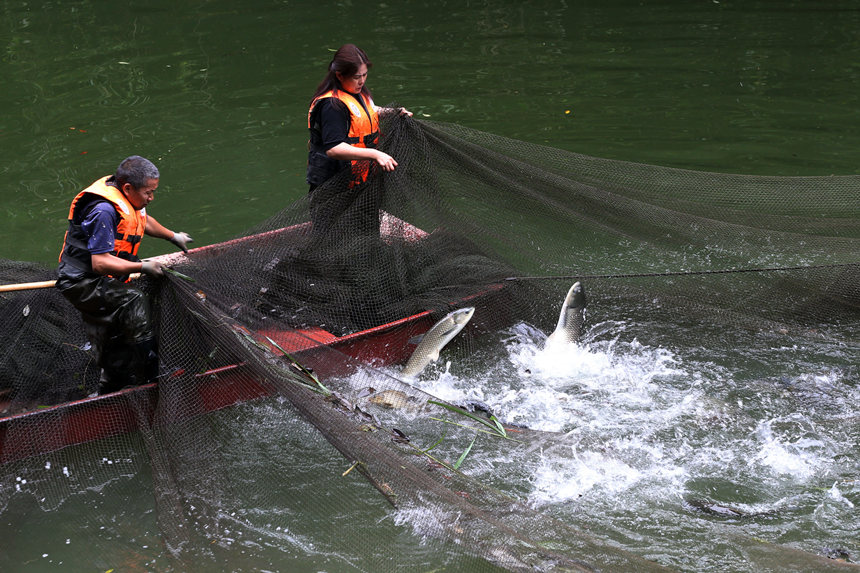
<point>646,428</point>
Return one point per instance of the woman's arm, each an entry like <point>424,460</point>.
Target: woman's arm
<point>346,152</point>
<point>390,110</point>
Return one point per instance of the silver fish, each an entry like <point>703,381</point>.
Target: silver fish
<point>394,399</point>
<point>572,317</point>
<point>435,339</point>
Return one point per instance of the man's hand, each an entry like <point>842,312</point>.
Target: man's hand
<point>152,268</point>
<point>181,240</point>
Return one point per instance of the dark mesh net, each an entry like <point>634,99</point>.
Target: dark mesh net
<point>284,342</point>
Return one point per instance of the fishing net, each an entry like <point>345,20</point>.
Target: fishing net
<point>280,435</point>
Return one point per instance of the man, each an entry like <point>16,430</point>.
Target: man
<point>106,223</point>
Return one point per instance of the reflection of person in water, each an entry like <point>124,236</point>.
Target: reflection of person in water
<point>344,133</point>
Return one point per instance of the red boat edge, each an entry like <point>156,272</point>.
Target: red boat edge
<point>102,416</point>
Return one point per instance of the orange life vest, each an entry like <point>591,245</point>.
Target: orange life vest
<point>363,128</point>
<point>129,230</point>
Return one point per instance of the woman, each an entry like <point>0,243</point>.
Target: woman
<point>343,254</point>
<point>344,122</point>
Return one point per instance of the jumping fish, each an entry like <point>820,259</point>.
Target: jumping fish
<point>435,339</point>
<point>571,319</point>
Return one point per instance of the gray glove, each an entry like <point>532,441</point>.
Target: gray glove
<point>152,268</point>
<point>181,240</point>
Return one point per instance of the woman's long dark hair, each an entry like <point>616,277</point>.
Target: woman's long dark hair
<point>346,62</point>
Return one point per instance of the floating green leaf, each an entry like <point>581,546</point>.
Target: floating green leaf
<point>465,453</point>
<point>492,423</point>
<point>177,274</point>
<point>306,371</point>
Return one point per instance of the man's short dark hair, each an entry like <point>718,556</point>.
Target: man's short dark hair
<point>136,170</point>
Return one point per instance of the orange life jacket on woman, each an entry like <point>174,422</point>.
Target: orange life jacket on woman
<point>129,230</point>
<point>363,132</point>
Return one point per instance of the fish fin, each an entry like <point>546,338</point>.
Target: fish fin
<point>415,340</point>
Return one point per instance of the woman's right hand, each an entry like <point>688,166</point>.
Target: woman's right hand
<point>385,161</point>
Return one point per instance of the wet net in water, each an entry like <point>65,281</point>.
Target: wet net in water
<point>280,434</point>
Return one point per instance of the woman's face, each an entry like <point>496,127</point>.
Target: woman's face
<point>353,84</point>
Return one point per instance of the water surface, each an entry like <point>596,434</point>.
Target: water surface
<point>217,94</point>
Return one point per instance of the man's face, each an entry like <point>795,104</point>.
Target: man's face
<point>140,197</point>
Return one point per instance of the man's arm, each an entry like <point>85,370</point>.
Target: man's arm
<point>156,229</point>
<point>99,224</point>
<point>108,264</point>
